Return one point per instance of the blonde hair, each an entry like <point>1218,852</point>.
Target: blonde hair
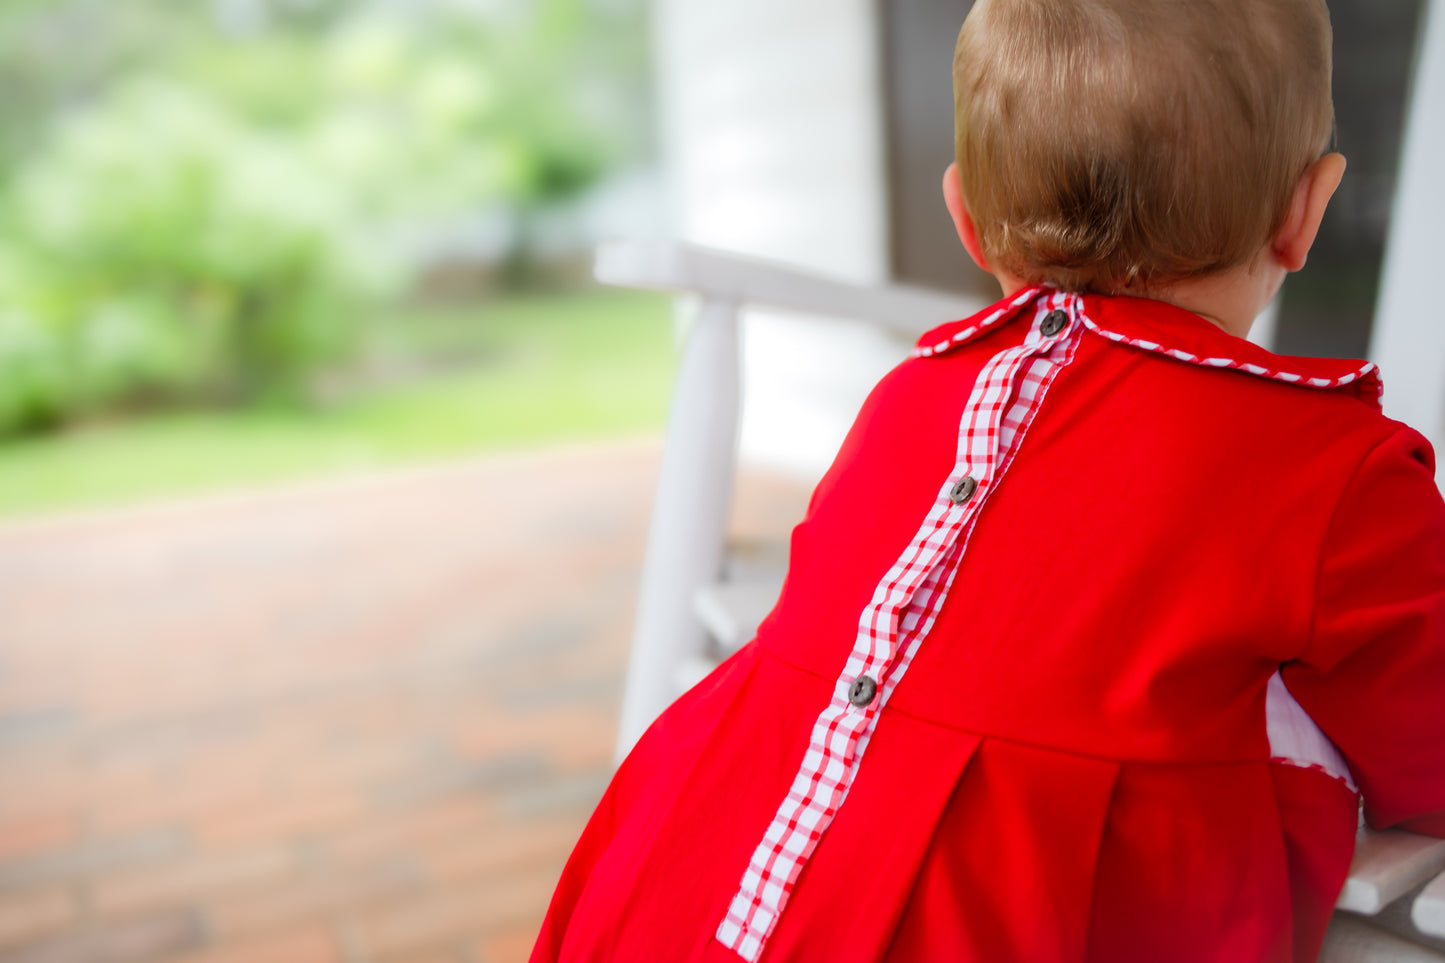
<point>1107,143</point>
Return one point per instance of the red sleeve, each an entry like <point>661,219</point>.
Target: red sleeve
<point>1373,674</point>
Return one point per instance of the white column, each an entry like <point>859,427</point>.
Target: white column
<point>773,141</point>
<point>772,131</point>
<point>1409,334</point>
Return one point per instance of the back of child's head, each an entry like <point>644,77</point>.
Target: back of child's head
<point>1112,144</point>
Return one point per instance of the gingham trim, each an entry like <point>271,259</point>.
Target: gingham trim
<point>1366,377</point>
<point>1295,739</point>
<point>1002,312</point>
<point>1367,371</point>
<point>905,604</point>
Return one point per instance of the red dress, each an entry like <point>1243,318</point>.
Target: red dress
<point>1063,634</point>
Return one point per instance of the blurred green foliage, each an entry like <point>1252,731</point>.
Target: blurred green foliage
<point>203,202</point>
<point>157,249</point>
<point>540,368</point>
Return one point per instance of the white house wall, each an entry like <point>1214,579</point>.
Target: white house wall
<point>772,139</point>
<point>1409,334</point>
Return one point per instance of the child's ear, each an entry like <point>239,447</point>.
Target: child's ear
<point>958,210</point>
<point>1292,243</point>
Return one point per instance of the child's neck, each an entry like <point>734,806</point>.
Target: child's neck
<point>1231,299</point>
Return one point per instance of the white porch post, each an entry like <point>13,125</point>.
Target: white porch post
<point>1409,335</point>
<point>772,133</point>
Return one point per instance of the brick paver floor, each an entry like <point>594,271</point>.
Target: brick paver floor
<point>346,722</point>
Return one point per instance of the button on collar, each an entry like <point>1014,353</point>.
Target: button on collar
<point>1053,323</point>
<point>862,691</point>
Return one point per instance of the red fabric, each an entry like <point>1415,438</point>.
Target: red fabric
<point>901,615</point>
<point>1076,765</point>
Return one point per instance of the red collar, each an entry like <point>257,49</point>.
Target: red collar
<point>1173,332</point>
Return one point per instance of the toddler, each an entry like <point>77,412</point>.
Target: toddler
<point>1105,620</point>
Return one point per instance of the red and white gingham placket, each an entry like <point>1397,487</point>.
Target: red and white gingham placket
<point>1005,397</point>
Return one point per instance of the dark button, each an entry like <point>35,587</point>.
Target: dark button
<point>862,691</point>
<point>1054,322</point>
<point>964,490</point>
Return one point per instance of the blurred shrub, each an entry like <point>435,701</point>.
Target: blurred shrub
<point>157,251</point>
<point>188,216</point>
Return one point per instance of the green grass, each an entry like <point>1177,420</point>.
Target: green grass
<point>518,372</point>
